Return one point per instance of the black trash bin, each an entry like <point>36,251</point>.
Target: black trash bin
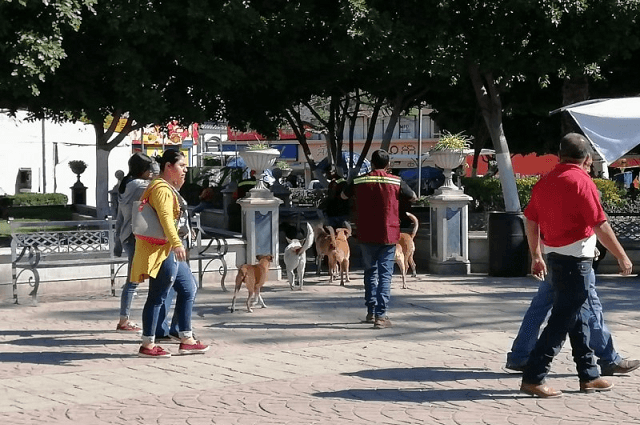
<point>508,249</point>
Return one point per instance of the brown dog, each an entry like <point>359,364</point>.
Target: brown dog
<point>405,248</point>
<point>254,277</point>
<point>323,245</point>
<point>339,254</point>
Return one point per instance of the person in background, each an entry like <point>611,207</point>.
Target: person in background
<point>165,265</point>
<point>337,209</point>
<point>377,197</point>
<point>130,189</point>
<point>207,197</point>
<point>234,209</point>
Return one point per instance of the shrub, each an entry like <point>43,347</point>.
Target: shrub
<point>613,196</point>
<point>486,193</point>
<point>34,199</point>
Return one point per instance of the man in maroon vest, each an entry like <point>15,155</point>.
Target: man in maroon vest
<point>378,196</point>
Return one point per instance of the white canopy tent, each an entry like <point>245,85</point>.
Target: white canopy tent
<point>611,125</point>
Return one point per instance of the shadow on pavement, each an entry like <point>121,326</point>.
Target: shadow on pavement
<point>60,358</point>
<point>66,342</point>
<point>419,395</point>
<point>427,374</point>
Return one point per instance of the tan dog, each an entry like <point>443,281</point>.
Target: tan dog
<point>254,277</point>
<point>339,255</point>
<point>324,236</point>
<point>405,248</point>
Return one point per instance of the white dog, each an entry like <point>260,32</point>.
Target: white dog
<point>295,256</point>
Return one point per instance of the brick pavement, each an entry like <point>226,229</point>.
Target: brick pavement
<point>306,359</point>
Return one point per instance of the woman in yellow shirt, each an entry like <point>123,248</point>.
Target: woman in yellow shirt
<point>166,264</point>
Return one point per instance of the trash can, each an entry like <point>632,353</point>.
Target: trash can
<point>508,249</point>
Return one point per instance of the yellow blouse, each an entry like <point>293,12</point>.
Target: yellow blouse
<point>148,257</point>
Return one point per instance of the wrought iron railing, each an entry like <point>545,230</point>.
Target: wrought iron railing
<point>626,226</point>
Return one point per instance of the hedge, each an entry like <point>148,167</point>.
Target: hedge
<point>487,193</point>
<point>33,199</point>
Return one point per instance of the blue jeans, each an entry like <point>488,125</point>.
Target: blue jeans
<point>163,329</point>
<point>378,261</point>
<point>129,291</point>
<point>601,341</point>
<point>130,288</point>
<point>176,274</point>
<point>570,278</point>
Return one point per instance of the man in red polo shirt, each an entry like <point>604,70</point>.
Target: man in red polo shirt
<point>377,196</point>
<point>564,220</point>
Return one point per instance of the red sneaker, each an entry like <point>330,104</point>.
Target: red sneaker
<point>156,351</point>
<point>196,348</point>
<point>128,327</point>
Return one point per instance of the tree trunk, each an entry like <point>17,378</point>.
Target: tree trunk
<point>489,99</point>
<point>102,182</point>
<point>104,145</point>
<point>391,125</point>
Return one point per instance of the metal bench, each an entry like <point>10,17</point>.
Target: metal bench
<point>51,244</point>
<point>216,249</point>
<point>39,245</point>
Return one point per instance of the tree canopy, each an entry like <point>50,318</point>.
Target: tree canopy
<point>31,37</point>
<point>267,63</point>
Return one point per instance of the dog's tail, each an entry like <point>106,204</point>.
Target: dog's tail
<point>347,226</point>
<point>309,240</point>
<point>332,236</point>
<point>414,219</point>
<point>242,274</point>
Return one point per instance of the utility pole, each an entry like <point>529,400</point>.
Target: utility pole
<point>44,161</point>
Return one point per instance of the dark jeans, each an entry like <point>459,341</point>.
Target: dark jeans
<point>570,277</point>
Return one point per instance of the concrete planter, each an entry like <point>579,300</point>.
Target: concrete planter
<point>259,160</point>
<point>449,159</point>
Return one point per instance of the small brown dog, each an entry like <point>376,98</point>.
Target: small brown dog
<point>405,248</point>
<point>254,277</point>
<point>339,254</point>
<point>323,245</point>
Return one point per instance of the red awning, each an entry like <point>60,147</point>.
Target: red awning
<point>629,161</point>
<point>524,165</point>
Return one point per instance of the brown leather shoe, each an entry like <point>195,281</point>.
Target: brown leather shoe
<point>382,322</point>
<point>540,390</point>
<point>599,384</point>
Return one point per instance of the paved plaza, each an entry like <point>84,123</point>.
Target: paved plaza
<point>307,359</point>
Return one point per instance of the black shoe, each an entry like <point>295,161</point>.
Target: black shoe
<point>625,366</point>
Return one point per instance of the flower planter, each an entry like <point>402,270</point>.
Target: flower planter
<point>259,160</point>
<point>448,160</point>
